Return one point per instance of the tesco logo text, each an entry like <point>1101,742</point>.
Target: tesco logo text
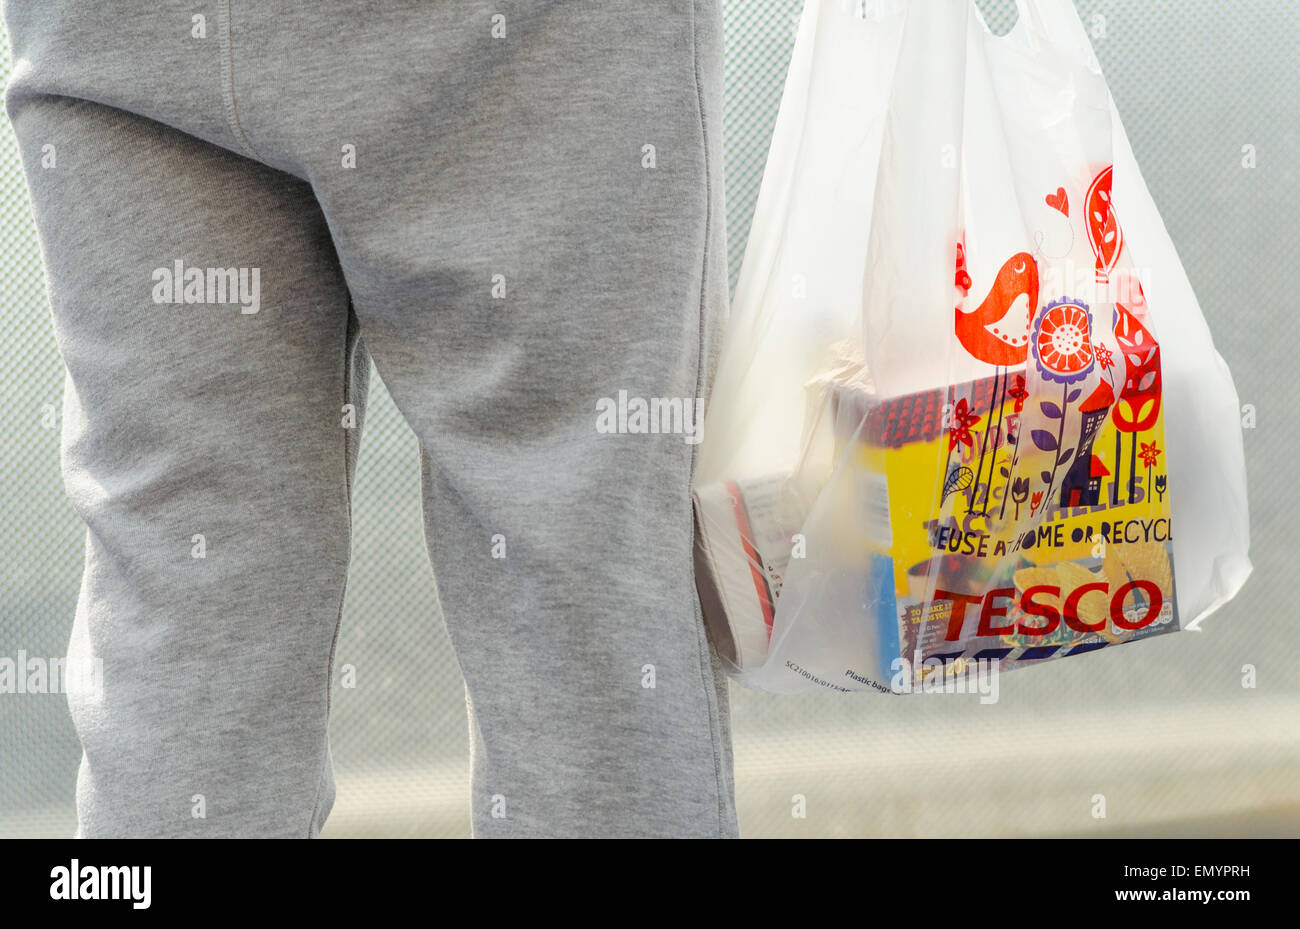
<point>1034,603</point>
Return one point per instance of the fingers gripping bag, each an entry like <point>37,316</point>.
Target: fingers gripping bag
<point>967,408</point>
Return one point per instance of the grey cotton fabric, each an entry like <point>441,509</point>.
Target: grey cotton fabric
<point>516,210</point>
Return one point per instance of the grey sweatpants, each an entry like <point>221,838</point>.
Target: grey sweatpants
<point>518,205</point>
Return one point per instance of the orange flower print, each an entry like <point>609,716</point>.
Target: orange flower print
<point>1062,341</point>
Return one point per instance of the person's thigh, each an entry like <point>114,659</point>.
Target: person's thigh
<point>533,228</point>
<point>204,323</point>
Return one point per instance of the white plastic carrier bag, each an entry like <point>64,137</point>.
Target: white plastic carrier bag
<point>967,409</point>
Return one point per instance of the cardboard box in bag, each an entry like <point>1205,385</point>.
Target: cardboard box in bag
<point>942,498</point>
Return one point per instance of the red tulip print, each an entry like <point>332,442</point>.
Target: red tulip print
<point>1138,406</point>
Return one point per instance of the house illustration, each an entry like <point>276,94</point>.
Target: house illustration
<point>1082,483</point>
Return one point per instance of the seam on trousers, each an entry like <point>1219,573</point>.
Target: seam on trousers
<point>707,679</point>
<point>228,81</point>
<point>349,349</point>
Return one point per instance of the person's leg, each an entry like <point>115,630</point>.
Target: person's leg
<point>534,222</point>
<point>205,448</point>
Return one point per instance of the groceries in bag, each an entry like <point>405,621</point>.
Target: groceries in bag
<point>998,477</point>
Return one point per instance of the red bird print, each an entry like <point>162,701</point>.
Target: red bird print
<point>988,332</point>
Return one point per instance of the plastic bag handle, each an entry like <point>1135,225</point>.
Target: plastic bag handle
<point>1032,18</point>
<point>1056,23</point>
<point>872,10</point>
